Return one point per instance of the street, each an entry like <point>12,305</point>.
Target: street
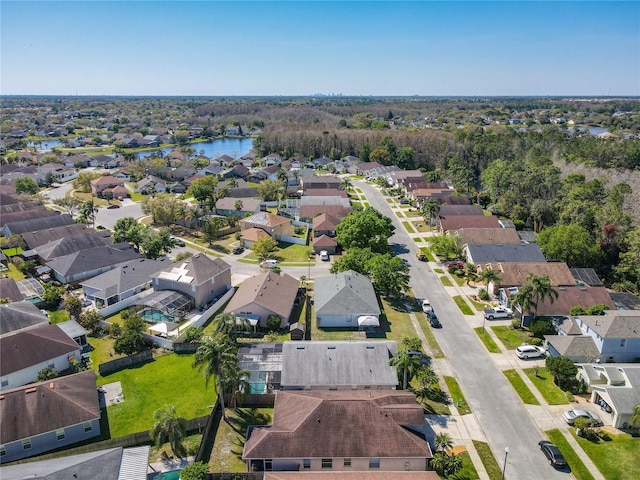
<point>499,411</point>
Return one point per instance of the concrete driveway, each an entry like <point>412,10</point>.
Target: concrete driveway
<point>503,419</point>
<point>108,218</point>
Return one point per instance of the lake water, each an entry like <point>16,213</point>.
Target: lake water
<point>45,144</point>
<point>234,147</point>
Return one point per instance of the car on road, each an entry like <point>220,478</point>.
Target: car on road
<point>530,351</point>
<point>269,263</point>
<point>426,306</point>
<point>433,320</point>
<point>552,453</point>
<point>178,241</point>
<point>498,312</point>
<point>238,250</point>
<point>455,264</point>
<point>571,416</point>
<point>324,255</point>
<point>421,256</point>
<point>111,207</point>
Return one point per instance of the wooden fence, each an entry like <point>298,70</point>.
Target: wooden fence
<point>124,362</point>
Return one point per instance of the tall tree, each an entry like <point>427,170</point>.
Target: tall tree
<point>87,212</point>
<point>74,307</point>
<point>406,363</point>
<point>169,427</point>
<point>366,228</point>
<point>542,290</point>
<point>128,229</point>
<point>264,248</point>
<point>489,275</point>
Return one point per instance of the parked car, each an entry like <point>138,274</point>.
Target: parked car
<point>571,416</point>
<point>552,453</point>
<point>269,263</point>
<point>421,256</point>
<point>238,250</point>
<point>426,306</point>
<point>455,264</point>
<point>433,320</point>
<point>111,207</point>
<point>178,241</point>
<point>530,351</point>
<point>415,353</point>
<point>324,255</point>
<point>498,312</point>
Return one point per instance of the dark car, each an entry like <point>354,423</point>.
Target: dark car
<point>552,453</point>
<point>433,320</point>
<point>238,250</point>
<point>111,207</point>
<point>179,241</point>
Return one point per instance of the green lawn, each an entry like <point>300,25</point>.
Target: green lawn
<point>427,254</point>
<point>456,395</point>
<point>229,440</point>
<point>446,282</point>
<point>288,252</point>
<point>10,252</point>
<point>468,471</point>
<point>434,347</point>
<point>58,316</point>
<point>511,338</point>
<point>520,387</point>
<point>150,386</point>
<point>617,459</point>
<point>487,340</point>
<point>438,270</point>
<point>488,460</point>
<point>462,305</point>
<point>191,444</point>
<point>460,281</point>
<point>14,273</point>
<point>479,306</point>
<point>578,469</point>
<point>102,350</point>
<point>544,383</point>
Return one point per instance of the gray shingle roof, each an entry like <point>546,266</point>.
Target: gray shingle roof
<point>40,223</point>
<point>515,252</point>
<point>345,293</point>
<point>195,270</point>
<point>68,245</point>
<point>126,276</point>
<point>91,259</point>
<point>18,315</point>
<point>40,237</point>
<point>323,363</point>
<point>614,323</point>
<point>574,346</point>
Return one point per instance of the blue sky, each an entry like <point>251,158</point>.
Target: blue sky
<point>302,48</point>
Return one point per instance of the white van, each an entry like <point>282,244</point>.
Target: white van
<point>269,263</point>
<point>324,255</point>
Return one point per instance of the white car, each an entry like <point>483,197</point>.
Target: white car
<point>571,416</point>
<point>324,255</point>
<point>530,351</point>
<point>269,263</point>
<point>426,306</point>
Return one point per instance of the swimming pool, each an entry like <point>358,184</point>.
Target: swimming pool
<point>173,475</point>
<point>154,316</point>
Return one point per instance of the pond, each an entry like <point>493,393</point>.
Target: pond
<point>45,144</point>
<point>234,147</point>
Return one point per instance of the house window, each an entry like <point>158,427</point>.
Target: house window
<point>87,426</point>
<point>347,462</point>
<point>623,342</point>
<point>327,463</point>
<point>3,452</point>
<point>374,462</point>
<point>26,444</point>
<point>51,364</point>
<point>4,382</point>
<point>60,434</point>
<point>268,465</point>
<point>306,463</point>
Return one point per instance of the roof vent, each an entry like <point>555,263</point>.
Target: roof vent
<point>52,385</point>
<point>331,348</point>
<point>30,390</point>
<point>1,397</point>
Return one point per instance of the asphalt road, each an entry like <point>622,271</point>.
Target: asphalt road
<point>108,218</point>
<point>499,411</point>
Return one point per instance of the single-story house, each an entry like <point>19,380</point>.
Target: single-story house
<point>40,237</point>
<point>494,253</point>
<point>467,210</point>
<point>321,181</point>
<point>19,315</point>
<point>69,245</point>
<point>150,184</point>
<point>48,415</point>
<point>488,235</point>
<point>19,215</point>
<point>32,225</point>
<point>338,365</point>
<point>456,222</point>
<point>263,295</point>
<point>324,431</point>
<point>323,242</point>
<point>89,263</point>
<point>346,299</point>
<point>275,225</point>
<point>325,224</point>
<point>228,206</point>
<point>9,290</point>
<point>309,212</point>
<point>514,274</point>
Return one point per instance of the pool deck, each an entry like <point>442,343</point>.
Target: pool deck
<point>170,465</point>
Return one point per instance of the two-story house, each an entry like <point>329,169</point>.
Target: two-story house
<point>275,225</point>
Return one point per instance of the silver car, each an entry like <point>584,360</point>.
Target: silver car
<point>530,351</point>
<point>571,416</point>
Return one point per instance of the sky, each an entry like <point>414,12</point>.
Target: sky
<point>242,48</point>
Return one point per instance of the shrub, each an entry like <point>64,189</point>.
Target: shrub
<point>273,322</point>
<point>195,471</point>
<point>116,330</point>
<point>47,374</point>
<point>515,324</point>
<point>271,337</point>
<point>484,295</point>
<point>299,230</point>
<point>536,341</point>
<point>453,269</point>
<point>570,397</point>
<point>542,326</point>
<point>192,334</point>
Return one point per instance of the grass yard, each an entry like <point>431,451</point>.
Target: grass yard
<point>396,322</point>
<point>191,444</point>
<point>434,347</point>
<point>460,281</point>
<point>288,253</point>
<point>14,273</point>
<point>102,348</point>
<point>427,254</point>
<point>487,340</point>
<point>438,270</point>
<point>10,252</point>
<point>544,383</point>
<point>511,338</point>
<point>58,316</point>
<point>520,387</point>
<point>423,227</point>
<point>456,395</point>
<point>97,202</point>
<point>462,305</point>
<point>578,469</point>
<point>488,460</point>
<point>229,440</point>
<point>468,471</point>
<point>446,282</point>
<point>617,459</point>
<point>150,386</point>
<point>479,306</point>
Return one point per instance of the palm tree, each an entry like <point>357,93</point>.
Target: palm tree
<point>524,298</point>
<point>194,215</point>
<point>228,325</point>
<point>169,427</point>
<point>443,442</point>
<point>214,358</point>
<point>408,363</point>
<point>470,272</point>
<point>87,212</point>
<point>489,275</point>
<point>541,289</point>
<point>634,421</point>
<point>413,343</point>
<point>429,209</point>
<point>345,184</point>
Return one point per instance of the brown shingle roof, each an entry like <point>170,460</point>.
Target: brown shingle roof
<point>575,296</point>
<point>325,222</point>
<point>337,211</point>
<point>274,292</point>
<point>107,180</point>
<point>324,241</point>
<point>31,347</point>
<point>513,274</point>
<point>325,192</point>
<point>265,218</point>
<point>48,406</point>
<point>254,234</point>
<point>328,424</point>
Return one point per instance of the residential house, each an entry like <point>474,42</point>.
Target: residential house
<point>586,276</point>
<point>339,365</point>
<point>324,242</point>
<point>211,170</point>
<point>468,210</point>
<point>321,162</point>
<point>105,182</point>
<point>20,315</point>
<point>610,338</point>
<point>76,332</point>
<point>68,245</point>
<point>123,281</point>
<point>616,388</point>
<point>118,193</point>
<point>325,224</point>
<point>324,431</point>
<point>199,277</point>
<point>251,235</point>
<point>55,172</point>
<point>74,161</point>
<point>498,253</point>
<point>33,225</point>
<point>325,192</point>
<point>52,414</point>
<point>123,174</point>
<point>89,263</point>
<point>27,351</point>
<point>363,168</point>
<point>40,237</point>
<point>488,235</point>
<point>275,225</point>
<point>186,170</point>
<point>271,159</point>
<point>346,299</point>
<point>320,182</point>
<point>9,290</point>
<point>224,160</point>
<point>309,212</point>
<point>237,171</point>
<point>456,222</point>
<point>263,295</point>
<point>238,207</point>
<point>514,274</point>
<point>21,214</point>
<point>151,184</point>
